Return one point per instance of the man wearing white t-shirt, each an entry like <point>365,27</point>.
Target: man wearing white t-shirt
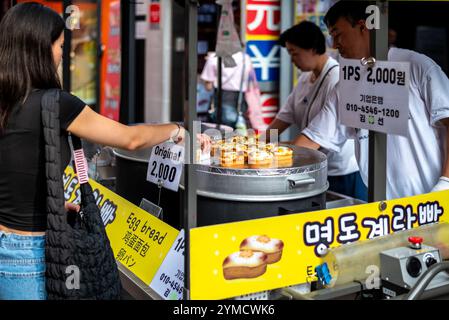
<point>307,47</point>
<point>416,164</point>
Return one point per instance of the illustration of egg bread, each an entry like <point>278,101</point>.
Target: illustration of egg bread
<point>271,247</point>
<point>244,264</point>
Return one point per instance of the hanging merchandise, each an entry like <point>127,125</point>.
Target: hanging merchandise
<point>254,103</point>
<point>228,41</point>
<point>240,125</point>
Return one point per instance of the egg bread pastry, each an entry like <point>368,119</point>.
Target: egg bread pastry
<point>244,264</point>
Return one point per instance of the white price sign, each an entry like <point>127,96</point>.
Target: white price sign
<point>374,98</point>
<point>168,281</point>
<point>166,164</point>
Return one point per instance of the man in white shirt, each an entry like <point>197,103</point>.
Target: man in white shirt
<point>415,165</point>
<point>320,73</point>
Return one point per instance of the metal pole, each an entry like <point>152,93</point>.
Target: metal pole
<point>66,60</point>
<point>243,4</point>
<point>98,57</point>
<point>377,166</point>
<point>190,217</point>
<point>128,75</point>
<point>219,80</point>
<point>286,69</point>
<point>219,92</point>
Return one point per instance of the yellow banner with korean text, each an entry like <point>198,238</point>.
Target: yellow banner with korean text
<point>139,240</point>
<point>234,259</point>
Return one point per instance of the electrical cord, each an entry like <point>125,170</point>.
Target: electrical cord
<point>419,288</point>
<point>359,294</point>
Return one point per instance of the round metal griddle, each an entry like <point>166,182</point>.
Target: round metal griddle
<point>231,194</point>
<point>303,159</point>
<point>306,177</point>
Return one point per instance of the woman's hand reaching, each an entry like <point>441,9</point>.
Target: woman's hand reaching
<point>179,136</point>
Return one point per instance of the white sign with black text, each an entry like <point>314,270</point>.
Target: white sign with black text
<point>374,98</point>
<point>166,164</point>
<point>168,281</point>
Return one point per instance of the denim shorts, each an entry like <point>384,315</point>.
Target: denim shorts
<point>22,267</point>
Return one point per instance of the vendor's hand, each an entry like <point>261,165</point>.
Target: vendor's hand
<point>71,207</point>
<point>204,141</point>
<point>442,184</point>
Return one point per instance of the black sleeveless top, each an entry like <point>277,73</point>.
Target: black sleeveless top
<point>22,161</point>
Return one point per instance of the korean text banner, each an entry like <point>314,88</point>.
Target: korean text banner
<point>139,240</point>
<point>226,260</point>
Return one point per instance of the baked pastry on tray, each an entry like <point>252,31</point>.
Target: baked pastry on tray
<point>232,159</point>
<point>283,156</point>
<point>260,159</point>
<point>248,151</point>
<point>282,153</point>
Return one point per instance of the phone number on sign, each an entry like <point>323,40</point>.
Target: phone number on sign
<point>173,283</point>
<point>386,112</point>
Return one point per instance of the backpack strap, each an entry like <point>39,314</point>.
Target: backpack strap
<point>79,160</point>
<point>317,91</point>
<point>52,138</point>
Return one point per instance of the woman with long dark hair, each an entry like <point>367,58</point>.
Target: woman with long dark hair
<point>31,42</point>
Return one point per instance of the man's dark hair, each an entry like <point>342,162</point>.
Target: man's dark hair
<point>305,35</point>
<point>28,31</point>
<point>352,11</point>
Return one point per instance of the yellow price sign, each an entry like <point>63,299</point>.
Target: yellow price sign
<point>264,254</point>
<point>139,240</point>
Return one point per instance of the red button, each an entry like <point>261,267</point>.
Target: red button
<point>415,240</point>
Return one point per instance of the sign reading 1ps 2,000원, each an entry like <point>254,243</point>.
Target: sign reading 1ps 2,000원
<point>374,97</point>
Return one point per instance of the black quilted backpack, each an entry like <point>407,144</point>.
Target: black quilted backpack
<point>80,263</point>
